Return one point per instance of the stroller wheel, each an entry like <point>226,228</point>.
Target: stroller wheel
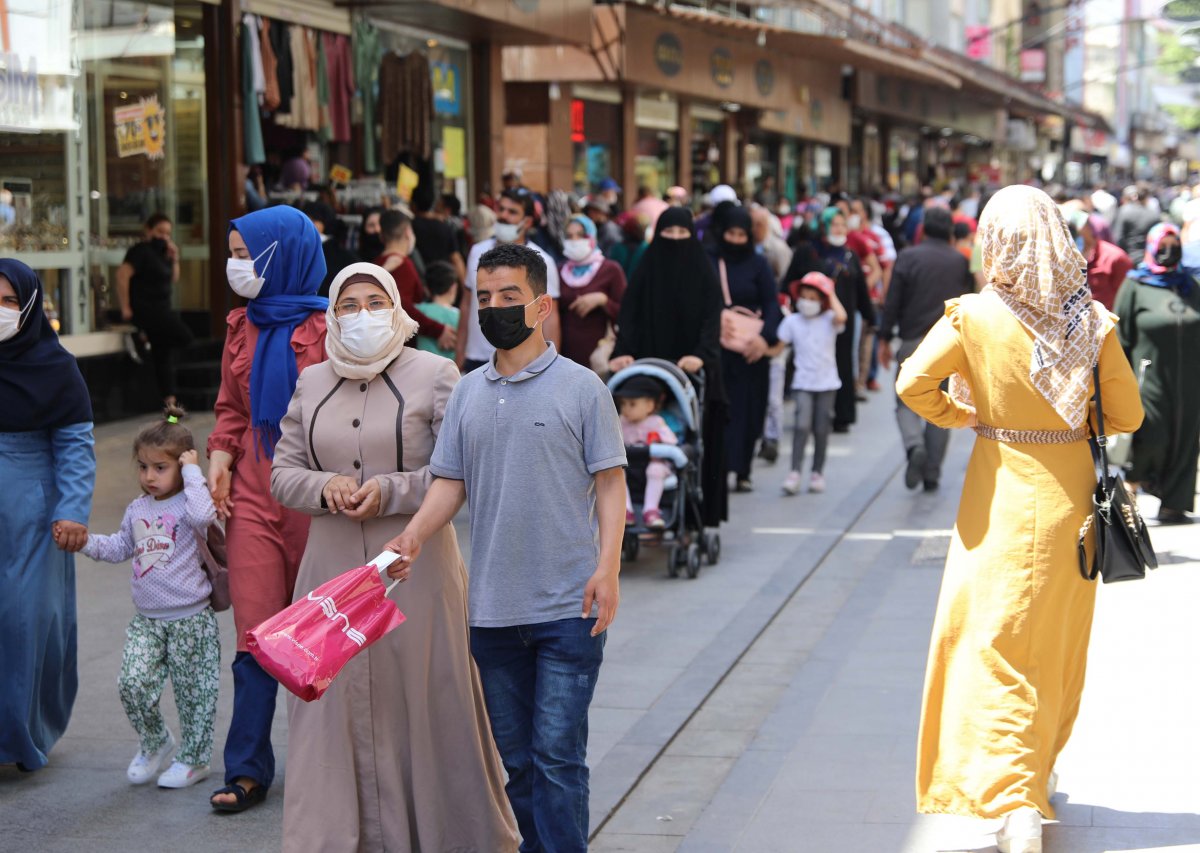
<point>712,547</point>
<point>693,560</point>
<point>673,554</point>
<point>630,548</point>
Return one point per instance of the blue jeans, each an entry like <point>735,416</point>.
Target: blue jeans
<point>248,749</point>
<point>538,682</point>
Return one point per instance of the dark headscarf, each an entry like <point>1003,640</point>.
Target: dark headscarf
<point>292,273</point>
<point>738,217</point>
<point>1149,271</point>
<point>40,383</point>
<point>370,246</point>
<point>672,294</point>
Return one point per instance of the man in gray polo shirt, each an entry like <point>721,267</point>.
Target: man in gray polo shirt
<point>533,442</point>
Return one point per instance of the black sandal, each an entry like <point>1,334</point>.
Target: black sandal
<point>245,799</point>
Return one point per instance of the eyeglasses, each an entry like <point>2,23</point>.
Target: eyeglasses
<point>349,308</point>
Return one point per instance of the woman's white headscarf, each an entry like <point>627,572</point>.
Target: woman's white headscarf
<point>1031,263</point>
<point>345,363</point>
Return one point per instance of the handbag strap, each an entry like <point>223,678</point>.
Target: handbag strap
<point>1102,437</point>
<point>724,282</point>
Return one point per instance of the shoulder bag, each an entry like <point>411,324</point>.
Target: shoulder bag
<point>215,560</point>
<point>739,326</point>
<point>1123,549</point>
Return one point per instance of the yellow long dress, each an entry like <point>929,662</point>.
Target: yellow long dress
<point>1010,638</point>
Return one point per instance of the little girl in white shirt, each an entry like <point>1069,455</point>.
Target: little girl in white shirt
<point>812,333</point>
<point>175,630</point>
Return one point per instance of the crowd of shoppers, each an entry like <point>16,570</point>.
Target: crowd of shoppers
<point>365,420</point>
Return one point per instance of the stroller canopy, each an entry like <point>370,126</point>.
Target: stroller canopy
<point>677,383</point>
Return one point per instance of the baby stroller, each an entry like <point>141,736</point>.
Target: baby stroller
<point>683,532</point>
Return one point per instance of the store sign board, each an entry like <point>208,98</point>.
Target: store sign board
<point>764,77</point>
<point>20,94</point>
<point>721,66</point>
<point>339,174</point>
<point>141,129</point>
<point>1033,66</point>
<point>668,54</point>
<point>979,43</point>
<point>445,77</point>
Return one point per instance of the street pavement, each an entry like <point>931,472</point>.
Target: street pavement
<point>769,705</point>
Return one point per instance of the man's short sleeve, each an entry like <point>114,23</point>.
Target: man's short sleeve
<point>447,461</point>
<point>603,444</point>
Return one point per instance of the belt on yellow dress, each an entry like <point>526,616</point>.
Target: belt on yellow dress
<point>1032,436</point>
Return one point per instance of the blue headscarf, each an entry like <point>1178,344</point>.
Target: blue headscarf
<point>40,382</point>
<point>292,273</point>
<point>1149,271</point>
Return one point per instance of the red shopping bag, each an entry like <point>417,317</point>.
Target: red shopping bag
<point>306,645</point>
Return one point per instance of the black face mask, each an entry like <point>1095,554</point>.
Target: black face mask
<point>1169,256</point>
<point>504,328</point>
<point>370,247</point>
<point>736,251</point>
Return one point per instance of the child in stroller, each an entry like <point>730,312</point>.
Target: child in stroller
<point>639,400</point>
<point>666,450</point>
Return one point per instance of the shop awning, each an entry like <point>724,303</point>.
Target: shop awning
<point>833,49</point>
<point>501,21</point>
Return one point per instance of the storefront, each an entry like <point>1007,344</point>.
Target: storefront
<point>105,125</point>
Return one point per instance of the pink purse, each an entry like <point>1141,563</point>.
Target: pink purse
<point>739,326</point>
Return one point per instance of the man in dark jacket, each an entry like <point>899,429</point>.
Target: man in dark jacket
<point>1134,221</point>
<point>924,278</point>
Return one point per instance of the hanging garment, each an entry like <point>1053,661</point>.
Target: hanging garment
<point>366,74</point>
<point>325,132</point>
<point>252,77</point>
<point>340,73</point>
<point>406,110</point>
<point>281,41</point>
<point>270,67</point>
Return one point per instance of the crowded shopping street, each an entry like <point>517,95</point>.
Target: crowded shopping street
<point>771,705</point>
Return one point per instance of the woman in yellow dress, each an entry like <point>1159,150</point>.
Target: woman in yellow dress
<point>1010,638</point>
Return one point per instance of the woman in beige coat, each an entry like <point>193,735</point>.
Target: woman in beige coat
<point>397,755</point>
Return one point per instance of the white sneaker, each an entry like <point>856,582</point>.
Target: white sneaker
<point>1021,833</point>
<point>180,775</point>
<point>816,483</point>
<point>791,486</point>
<point>143,767</point>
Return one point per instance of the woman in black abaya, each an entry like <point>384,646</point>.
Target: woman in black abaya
<point>672,310</point>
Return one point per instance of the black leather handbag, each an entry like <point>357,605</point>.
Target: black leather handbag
<point>1123,549</point>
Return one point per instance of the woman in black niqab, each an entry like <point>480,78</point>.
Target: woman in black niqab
<point>672,310</point>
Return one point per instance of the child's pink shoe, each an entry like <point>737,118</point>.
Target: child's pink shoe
<point>653,519</point>
<point>629,518</point>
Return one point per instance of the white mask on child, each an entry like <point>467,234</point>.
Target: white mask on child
<point>10,323</point>
<point>577,250</point>
<point>809,307</point>
<point>836,239</point>
<point>366,333</point>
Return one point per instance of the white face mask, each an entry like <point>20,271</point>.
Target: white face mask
<point>577,250</point>
<point>10,323</point>
<point>242,278</point>
<point>836,239</point>
<point>854,223</point>
<point>505,233</point>
<point>809,307</point>
<point>366,333</point>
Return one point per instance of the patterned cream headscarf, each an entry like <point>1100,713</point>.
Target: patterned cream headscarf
<point>345,363</point>
<point>1031,263</point>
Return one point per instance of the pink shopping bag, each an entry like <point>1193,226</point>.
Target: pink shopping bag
<point>306,645</point>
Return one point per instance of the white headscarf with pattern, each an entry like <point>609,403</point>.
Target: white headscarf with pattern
<point>1031,263</point>
<point>345,363</point>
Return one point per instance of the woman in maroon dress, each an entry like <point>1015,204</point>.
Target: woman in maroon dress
<point>593,287</point>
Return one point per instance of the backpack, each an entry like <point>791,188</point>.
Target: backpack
<point>214,559</point>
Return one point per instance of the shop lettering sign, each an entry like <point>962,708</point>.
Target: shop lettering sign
<point>721,66</point>
<point>141,129</point>
<point>20,95</point>
<point>445,88</point>
<point>764,77</point>
<point>668,54</point>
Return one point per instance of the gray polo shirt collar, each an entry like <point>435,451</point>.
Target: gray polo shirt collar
<point>535,368</point>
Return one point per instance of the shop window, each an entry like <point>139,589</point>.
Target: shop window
<point>655,162</point>
<point>706,155</point>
